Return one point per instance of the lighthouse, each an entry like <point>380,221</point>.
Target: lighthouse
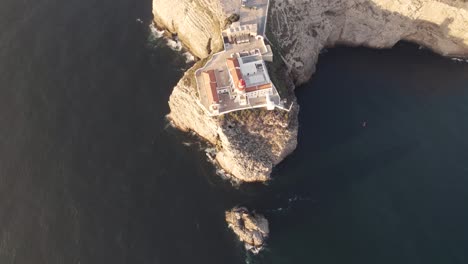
<point>241,86</point>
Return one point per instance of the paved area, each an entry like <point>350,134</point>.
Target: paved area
<point>228,105</point>
<point>222,78</point>
<point>255,11</point>
<point>252,12</point>
<point>219,60</point>
<point>202,92</point>
<point>218,63</point>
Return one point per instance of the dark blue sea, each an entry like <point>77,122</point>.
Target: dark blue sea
<point>91,173</point>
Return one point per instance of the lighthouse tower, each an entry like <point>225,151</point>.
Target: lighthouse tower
<point>241,86</point>
<point>241,92</point>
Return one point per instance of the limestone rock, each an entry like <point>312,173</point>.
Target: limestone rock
<point>198,23</point>
<point>303,27</point>
<point>251,228</point>
<point>250,144</point>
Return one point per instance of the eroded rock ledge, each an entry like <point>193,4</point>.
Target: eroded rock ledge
<point>250,228</point>
<point>250,143</point>
<point>306,26</point>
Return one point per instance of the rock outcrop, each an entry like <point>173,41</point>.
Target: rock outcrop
<point>304,27</point>
<point>250,228</point>
<point>250,144</point>
<point>198,23</point>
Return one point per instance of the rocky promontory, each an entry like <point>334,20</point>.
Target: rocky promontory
<point>250,143</point>
<point>304,27</point>
<point>250,228</point>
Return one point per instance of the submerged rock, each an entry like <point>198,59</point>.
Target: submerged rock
<point>251,228</point>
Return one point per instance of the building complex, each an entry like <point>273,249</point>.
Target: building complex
<point>237,78</point>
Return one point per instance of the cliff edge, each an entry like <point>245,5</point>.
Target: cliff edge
<point>307,26</point>
<point>250,142</point>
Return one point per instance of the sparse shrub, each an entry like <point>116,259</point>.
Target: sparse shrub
<point>231,19</point>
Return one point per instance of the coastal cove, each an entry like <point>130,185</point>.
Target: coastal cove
<point>249,144</point>
<point>389,191</point>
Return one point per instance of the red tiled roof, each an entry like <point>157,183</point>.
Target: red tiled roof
<point>210,86</point>
<point>236,74</point>
<point>258,87</point>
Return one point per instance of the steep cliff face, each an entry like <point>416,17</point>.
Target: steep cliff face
<point>249,143</point>
<point>198,23</point>
<point>304,27</point>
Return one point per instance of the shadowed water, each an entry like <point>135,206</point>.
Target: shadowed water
<point>90,172</point>
<point>381,164</point>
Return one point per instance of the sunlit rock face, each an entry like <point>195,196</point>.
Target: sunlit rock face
<point>198,23</point>
<point>250,228</point>
<point>249,145</point>
<point>304,27</point>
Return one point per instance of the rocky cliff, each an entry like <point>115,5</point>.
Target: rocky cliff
<point>248,143</point>
<point>306,26</point>
<point>251,142</point>
<point>198,23</point>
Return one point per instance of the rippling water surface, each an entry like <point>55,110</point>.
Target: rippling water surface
<point>90,172</point>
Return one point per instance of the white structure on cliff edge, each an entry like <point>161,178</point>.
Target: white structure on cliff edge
<point>237,78</point>
<point>249,79</point>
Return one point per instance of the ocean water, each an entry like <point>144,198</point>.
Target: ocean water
<point>91,172</point>
<point>380,172</point>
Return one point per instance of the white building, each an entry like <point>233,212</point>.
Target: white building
<point>249,79</point>
<point>237,33</point>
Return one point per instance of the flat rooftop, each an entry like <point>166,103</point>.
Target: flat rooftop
<point>253,70</point>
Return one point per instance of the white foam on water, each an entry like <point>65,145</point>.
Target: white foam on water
<point>173,44</point>
<point>155,32</point>
<point>226,176</point>
<point>459,60</point>
<point>187,144</point>
<point>189,57</point>
<point>169,123</point>
<point>323,51</point>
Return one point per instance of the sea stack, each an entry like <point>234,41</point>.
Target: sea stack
<point>250,227</point>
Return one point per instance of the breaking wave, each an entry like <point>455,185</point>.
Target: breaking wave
<point>158,37</point>
<point>460,60</point>
<point>189,57</point>
<point>155,33</point>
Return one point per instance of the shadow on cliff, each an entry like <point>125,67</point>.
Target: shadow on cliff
<point>430,84</point>
<point>462,4</point>
<point>255,132</point>
<point>367,110</point>
<point>419,31</point>
<point>430,30</point>
<point>422,85</point>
